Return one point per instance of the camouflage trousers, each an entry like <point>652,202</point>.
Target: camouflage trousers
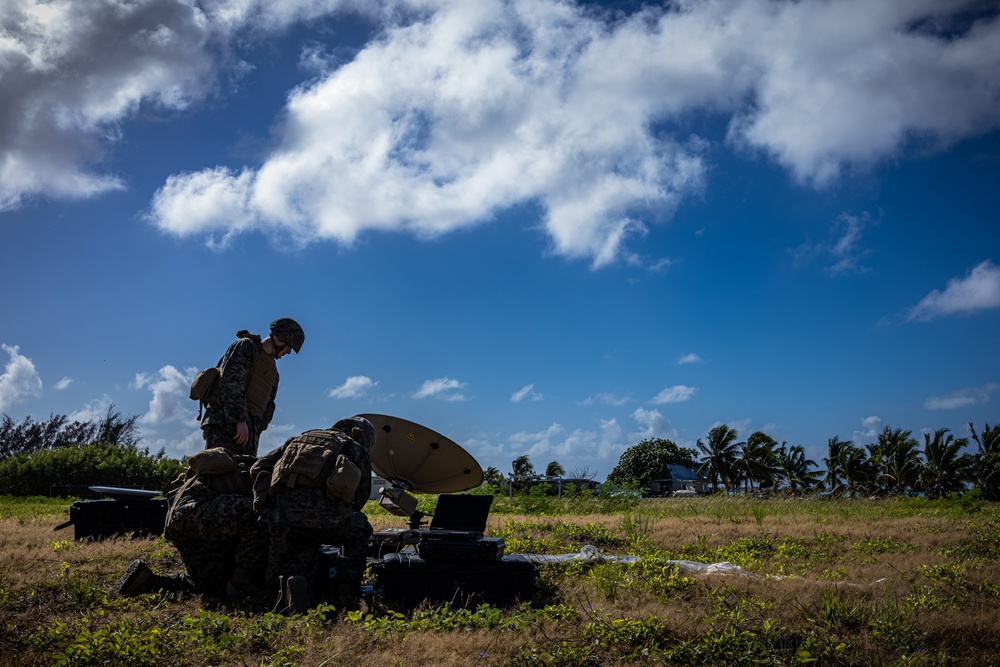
<point>216,535</point>
<point>221,435</point>
<point>295,551</point>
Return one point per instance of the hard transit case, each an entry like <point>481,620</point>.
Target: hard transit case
<point>433,548</point>
<point>407,579</point>
<point>126,511</point>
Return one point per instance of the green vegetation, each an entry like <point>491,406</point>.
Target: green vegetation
<point>61,458</point>
<point>896,581</point>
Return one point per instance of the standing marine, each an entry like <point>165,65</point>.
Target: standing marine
<point>248,386</point>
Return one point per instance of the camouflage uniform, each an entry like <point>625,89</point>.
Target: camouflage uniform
<point>217,533</point>
<point>301,519</point>
<point>219,424</point>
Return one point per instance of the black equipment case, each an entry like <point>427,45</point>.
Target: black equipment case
<point>406,578</point>
<point>135,511</point>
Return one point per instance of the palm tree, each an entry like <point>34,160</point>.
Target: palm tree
<point>521,470</point>
<point>554,469</point>
<point>719,456</point>
<point>856,469</point>
<point>986,461</point>
<point>493,477</point>
<point>896,457</point>
<point>834,446</point>
<point>945,467</point>
<point>796,468</point>
<point>757,461</point>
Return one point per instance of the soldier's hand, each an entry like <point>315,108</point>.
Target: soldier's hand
<point>242,436</point>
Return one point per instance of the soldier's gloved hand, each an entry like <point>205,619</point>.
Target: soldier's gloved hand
<point>261,484</point>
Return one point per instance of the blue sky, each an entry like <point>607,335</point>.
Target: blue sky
<point>543,228</point>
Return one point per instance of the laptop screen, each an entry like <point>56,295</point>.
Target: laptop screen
<point>461,512</point>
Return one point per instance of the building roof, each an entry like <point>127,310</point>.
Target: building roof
<point>679,472</point>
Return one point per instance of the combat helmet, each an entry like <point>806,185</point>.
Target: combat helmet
<point>288,330</point>
<point>367,430</point>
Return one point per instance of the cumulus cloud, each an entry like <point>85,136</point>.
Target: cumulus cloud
<point>676,394</point>
<point>962,398</point>
<point>474,107</point>
<point>63,384</point>
<point>70,72</point>
<point>446,389</point>
<point>653,425</point>
<point>455,111</point>
<point>978,290</point>
<point>584,446</point>
<point>690,358</point>
<point>92,411</point>
<point>170,388</point>
<point>527,391</point>
<point>353,387</point>
<point>871,426</point>
<point>20,380</point>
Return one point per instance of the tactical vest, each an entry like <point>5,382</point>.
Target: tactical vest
<point>263,377</point>
<point>314,460</point>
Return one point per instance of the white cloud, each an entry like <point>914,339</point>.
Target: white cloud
<point>871,427</point>
<point>537,438</point>
<point>606,398</point>
<point>978,290</point>
<point>170,402</point>
<point>690,358</point>
<point>353,387</point>
<point>654,425</point>
<point>676,394</point>
<point>458,110</point>
<point>93,411</point>
<point>527,391</point>
<point>584,447</point>
<point>843,250</point>
<point>478,106</point>
<point>63,384</point>
<point>962,398</point>
<point>444,388</point>
<point>71,71</point>
<point>20,380</point>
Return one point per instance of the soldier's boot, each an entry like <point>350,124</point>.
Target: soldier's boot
<point>139,579</point>
<point>239,585</point>
<point>297,595</point>
<point>346,588</point>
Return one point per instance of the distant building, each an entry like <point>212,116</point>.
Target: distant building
<point>679,481</point>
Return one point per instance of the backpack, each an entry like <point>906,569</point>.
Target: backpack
<point>315,459</point>
<point>206,388</point>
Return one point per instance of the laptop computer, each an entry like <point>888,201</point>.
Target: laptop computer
<point>461,513</point>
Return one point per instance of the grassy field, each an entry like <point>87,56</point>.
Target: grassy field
<point>820,582</point>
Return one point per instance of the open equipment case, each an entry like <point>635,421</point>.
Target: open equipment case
<point>449,560</point>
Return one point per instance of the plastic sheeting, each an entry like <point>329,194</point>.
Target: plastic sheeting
<point>592,554</point>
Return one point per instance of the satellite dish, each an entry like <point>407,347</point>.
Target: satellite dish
<point>422,460</point>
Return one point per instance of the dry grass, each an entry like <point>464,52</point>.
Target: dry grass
<point>888,583</point>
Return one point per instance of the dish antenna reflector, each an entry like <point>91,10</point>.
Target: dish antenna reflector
<point>420,459</point>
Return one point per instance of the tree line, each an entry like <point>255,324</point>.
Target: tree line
<point>62,457</point>
<point>48,457</point>
<point>897,463</point>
